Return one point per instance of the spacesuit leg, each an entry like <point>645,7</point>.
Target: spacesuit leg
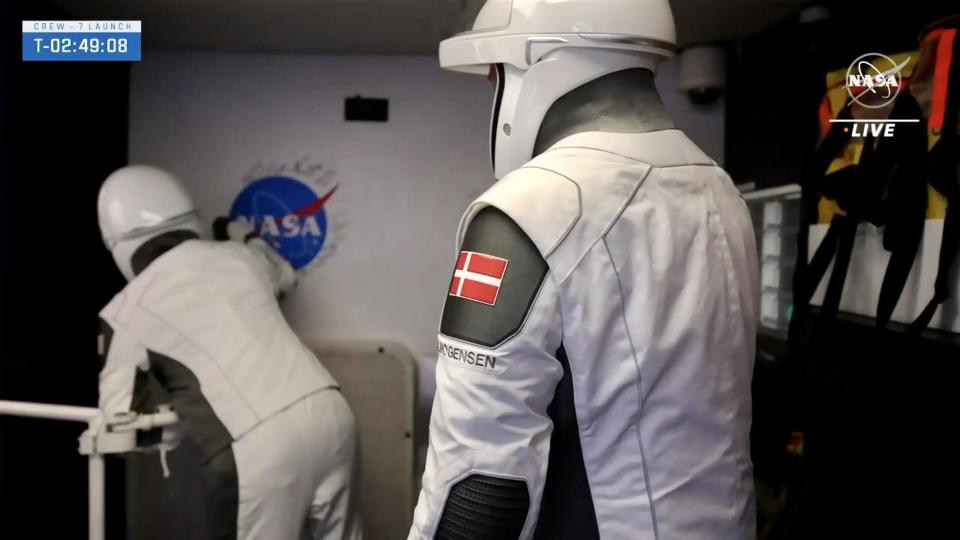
<point>295,473</point>
<point>334,512</point>
<point>274,477</point>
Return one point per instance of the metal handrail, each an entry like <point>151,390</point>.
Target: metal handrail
<point>50,411</point>
<point>100,437</point>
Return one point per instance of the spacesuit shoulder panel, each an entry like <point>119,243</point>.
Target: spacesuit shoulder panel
<point>498,274</point>
<point>605,183</point>
<point>544,204</point>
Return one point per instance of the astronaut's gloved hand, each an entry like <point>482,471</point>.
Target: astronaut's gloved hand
<point>238,230</point>
<point>282,275</point>
<point>121,418</point>
<point>172,437</point>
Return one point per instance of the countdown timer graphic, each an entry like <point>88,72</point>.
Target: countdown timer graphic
<point>72,41</point>
<point>288,214</point>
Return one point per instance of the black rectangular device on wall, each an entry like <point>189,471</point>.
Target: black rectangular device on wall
<point>361,109</point>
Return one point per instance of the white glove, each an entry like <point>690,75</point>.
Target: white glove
<point>282,275</point>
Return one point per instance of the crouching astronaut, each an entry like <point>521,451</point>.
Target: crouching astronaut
<point>596,344</point>
<point>201,320</point>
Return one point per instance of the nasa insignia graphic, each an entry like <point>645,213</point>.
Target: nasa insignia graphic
<point>288,214</point>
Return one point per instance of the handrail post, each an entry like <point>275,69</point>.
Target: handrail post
<point>96,502</point>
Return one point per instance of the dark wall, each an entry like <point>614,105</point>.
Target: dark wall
<point>872,406</point>
<point>64,131</point>
<point>777,81</point>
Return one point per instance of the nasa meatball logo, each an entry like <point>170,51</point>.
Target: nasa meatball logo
<point>289,212</point>
<point>874,80</point>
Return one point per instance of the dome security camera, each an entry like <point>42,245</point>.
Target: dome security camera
<point>703,73</point>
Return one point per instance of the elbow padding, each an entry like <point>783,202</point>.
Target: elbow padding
<point>484,508</point>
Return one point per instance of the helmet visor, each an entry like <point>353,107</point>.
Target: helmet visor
<point>187,217</point>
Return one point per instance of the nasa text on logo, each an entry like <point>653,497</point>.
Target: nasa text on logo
<point>288,213</point>
<point>874,81</point>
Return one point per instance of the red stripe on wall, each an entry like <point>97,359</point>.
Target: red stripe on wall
<point>825,115</point>
<point>941,78</point>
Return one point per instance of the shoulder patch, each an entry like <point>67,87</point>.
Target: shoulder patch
<point>497,276</point>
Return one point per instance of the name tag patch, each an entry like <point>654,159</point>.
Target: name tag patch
<point>483,361</point>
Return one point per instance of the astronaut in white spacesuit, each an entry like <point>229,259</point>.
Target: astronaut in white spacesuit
<point>201,319</point>
<point>597,341</point>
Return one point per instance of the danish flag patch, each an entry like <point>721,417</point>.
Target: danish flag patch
<point>478,277</point>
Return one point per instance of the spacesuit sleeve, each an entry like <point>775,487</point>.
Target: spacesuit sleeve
<point>124,365</point>
<point>282,276</point>
<point>497,372</point>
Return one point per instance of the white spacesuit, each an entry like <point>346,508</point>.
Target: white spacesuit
<point>597,342</point>
<point>276,439</point>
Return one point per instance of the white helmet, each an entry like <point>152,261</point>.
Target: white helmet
<point>137,204</point>
<point>543,49</point>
